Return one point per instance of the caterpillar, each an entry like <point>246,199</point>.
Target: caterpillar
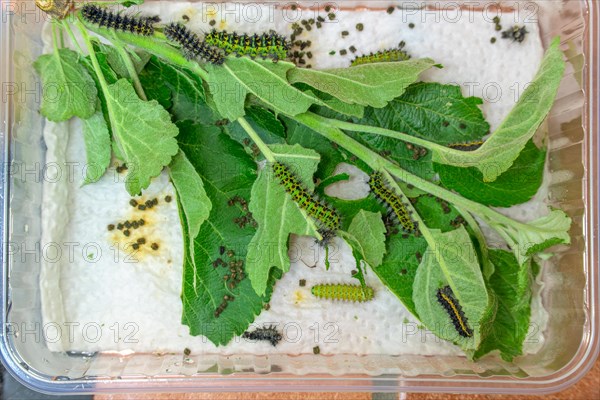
<point>108,19</point>
<point>268,334</point>
<point>445,297</point>
<point>392,200</point>
<point>323,213</point>
<point>344,292</point>
<point>266,45</point>
<point>191,45</point>
<point>389,55</point>
<point>467,146</point>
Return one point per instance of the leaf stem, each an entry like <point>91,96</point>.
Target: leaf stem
<point>130,67</point>
<point>264,149</point>
<point>349,126</point>
<point>67,28</point>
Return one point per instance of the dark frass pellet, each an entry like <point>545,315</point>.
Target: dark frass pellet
<point>345,33</point>
<point>120,226</point>
<point>411,25</point>
<point>212,22</point>
<point>135,246</point>
<point>316,350</point>
<point>332,53</point>
<point>141,240</point>
<point>343,52</point>
<point>154,246</point>
<point>302,282</point>
<point>141,222</point>
<point>327,8</point>
<point>133,203</point>
<point>126,232</point>
<point>390,10</point>
<point>331,16</point>
<point>294,7</point>
<point>498,27</point>
<point>187,351</point>
<point>319,25</point>
<point>352,49</point>
<point>496,19</point>
<point>168,199</point>
<point>493,40</point>
<point>141,207</point>
<point>320,19</point>
<point>110,227</point>
<point>360,27</point>
<point>185,18</point>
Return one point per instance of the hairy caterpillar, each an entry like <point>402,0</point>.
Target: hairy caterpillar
<point>392,200</point>
<point>344,292</point>
<point>112,20</point>
<point>467,146</point>
<point>267,45</point>
<point>191,45</point>
<point>320,211</point>
<point>269,334</point>
<point>446,298</point>
<point>389,55</point>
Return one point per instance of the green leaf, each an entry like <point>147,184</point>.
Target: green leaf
<point>139,58</point>
<point>512,284</point>
<point>228,173</point>
<point>190,193</point>
<point>367,85</point>
<point>452,262</point>
<point>516,185</point>
<point>144,132</point>
<point>97,147</point>
<point>369,232</point>
<point>269,247</point>
<point>535,236</point>
<point>431,111</point>
<point>178,89</point>
<point>333,103</point>
<point>502,148</point>
<point>68,89</point>
<point>264,122</point>
<point>231,83</point>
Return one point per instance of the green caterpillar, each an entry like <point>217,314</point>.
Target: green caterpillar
<point>392,200</point>
<point>344,292</point>
<point>389,55</point>
<point>266,45</point>
<point>325,214</point>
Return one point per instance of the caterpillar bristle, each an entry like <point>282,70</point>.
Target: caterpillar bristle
<point>269,334</point>
<point>191,45</point>
<point>111,20</point>
<point>343,292</point>
<point>393,201</point>
<point>389,55</point>
<point>446,298</point>
<point>326,215</point>
<point>467,146</point>
<point>266,45</point>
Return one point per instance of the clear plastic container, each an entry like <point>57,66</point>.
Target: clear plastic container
<point>570,293</point>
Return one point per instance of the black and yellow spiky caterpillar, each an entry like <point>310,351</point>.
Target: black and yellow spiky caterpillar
<point>269,334</point>
<point>320,211</point>
<point>191,45</point>
<point>343,292</point>
<point>392,200</point>
<point>108,19</point>
<point>446,298</point>
<point>266,45</point>
<point>389,55</point>
<point>467,146</point>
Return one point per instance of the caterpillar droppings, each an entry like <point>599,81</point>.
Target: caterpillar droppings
<point>266,45</point>
<point>389,55</point>
<point>343,292</point>
<point>320,211</point>
<point>392,200</point>
<point>191,44</point>
<point>467,146</point>
<point>446,298</point>
<point>269,334</point>
<point>111,20</point>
